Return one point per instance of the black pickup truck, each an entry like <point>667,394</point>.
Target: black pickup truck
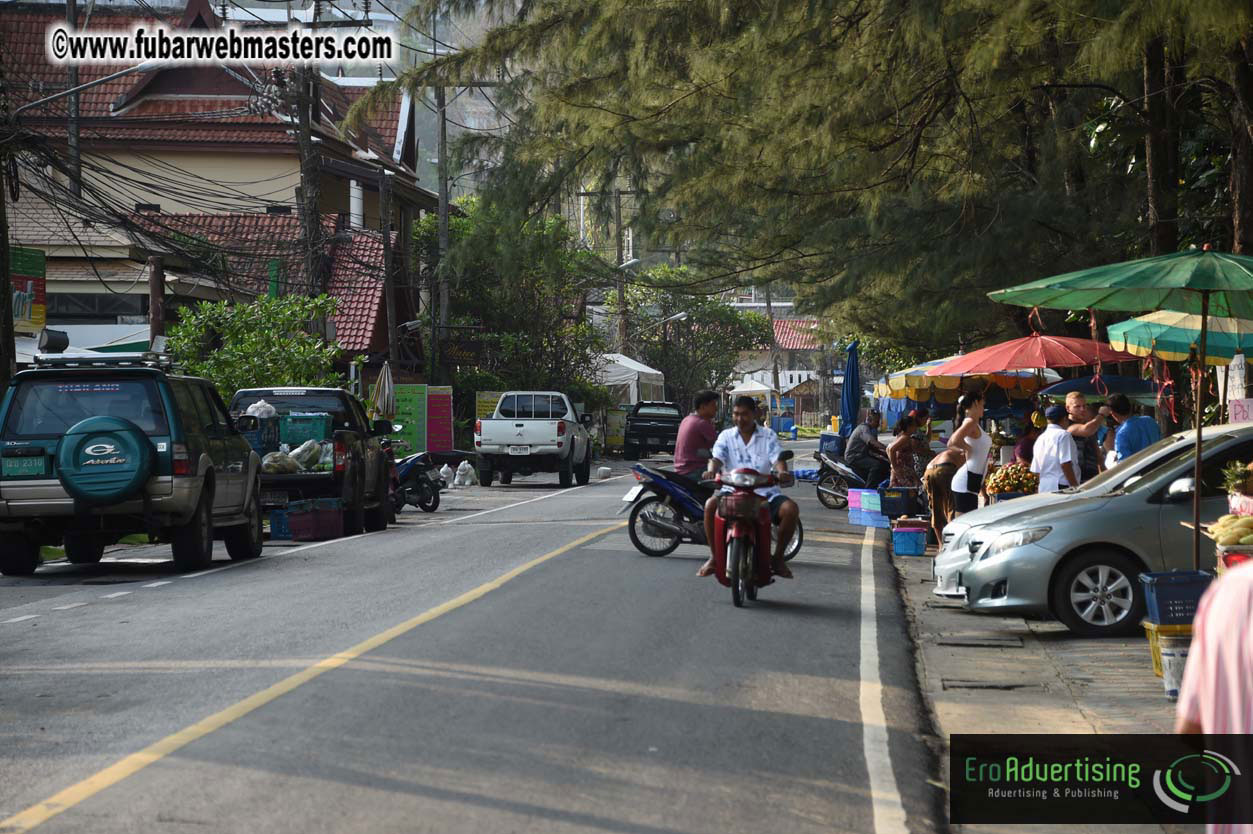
<point>360,469</point>
<point>651,427</point>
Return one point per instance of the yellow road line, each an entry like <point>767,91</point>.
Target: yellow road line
<point>132,764</point>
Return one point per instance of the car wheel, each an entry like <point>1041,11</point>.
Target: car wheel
<point>486,474</point>
<point>246,540</point>
<point>192,542</point>
<point>19,558</point>
<point>1098,594</point>
<point>565,472</point>
<point>583,472</point>
<point>83,548</point>
<point>376,518</point>
<point>506,478</point>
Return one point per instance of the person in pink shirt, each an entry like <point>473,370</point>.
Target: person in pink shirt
<point>696,432</point>
<point>1216,696</point>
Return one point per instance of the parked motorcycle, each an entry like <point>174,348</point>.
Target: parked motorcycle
<point>668,509</point>
<point>835,479</point>
<point>415,485</point>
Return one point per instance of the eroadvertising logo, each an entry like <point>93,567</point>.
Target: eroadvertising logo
<point>1008,779</point>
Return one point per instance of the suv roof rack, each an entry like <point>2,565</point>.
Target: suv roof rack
<point>147,359</point>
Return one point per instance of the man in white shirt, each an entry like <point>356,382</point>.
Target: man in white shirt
<point>1055,458</point>
<point>747,445</point>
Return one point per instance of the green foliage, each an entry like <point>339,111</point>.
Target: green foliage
<point>895,161</point>
<point>266,342</point>
<point>522,285</point>
<point>695,352</point>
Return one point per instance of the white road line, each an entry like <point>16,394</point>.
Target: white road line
<point>528,501</point>
<point>885,794</point>
<point>283,552</point>
<point>115,595</point>
<point>24,617</point>
<point>68,607</point>
<point>158,584</point>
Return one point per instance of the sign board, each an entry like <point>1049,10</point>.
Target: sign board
<point>439,418</point>
<point>485,403</point>
<point>411,413</point>
<point>30,301</point>
<point>615,428</point>
<point>1240,411</point>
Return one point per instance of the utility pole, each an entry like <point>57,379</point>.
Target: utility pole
<point>774,345</point>
<point>76,162</point>
<point>156,298</point>
<point>622,316</point>
<point>442,106</point>
<point>7,347</point>
<point>309,193</point>
<point>389,276</point>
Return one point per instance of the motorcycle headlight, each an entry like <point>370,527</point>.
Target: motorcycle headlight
<point>740,479</point>
<point>1018,538</point>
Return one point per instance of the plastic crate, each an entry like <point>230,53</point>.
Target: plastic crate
<point>265,439</point>
<point>1171,598</point>
<point>909,541</point>
<point>297,428</point>
<point>997,497</point>
<point>865,518</point>
<point>898,501</point>
<point>309,523</point>
<point>865,499</point>
<point>832,444</point>
<point>1153,631</point>
<point>279,528</point>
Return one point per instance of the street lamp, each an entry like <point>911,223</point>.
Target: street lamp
<point>622,321</point>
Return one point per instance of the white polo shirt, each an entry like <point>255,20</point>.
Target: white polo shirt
<point>760,453</point>
<point>1053,448</point>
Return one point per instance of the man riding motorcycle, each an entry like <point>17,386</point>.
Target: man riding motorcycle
<point>747,445</point>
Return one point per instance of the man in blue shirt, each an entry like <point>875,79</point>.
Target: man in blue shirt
<point>1134,433</point>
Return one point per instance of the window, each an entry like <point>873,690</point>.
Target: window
<point>311,402</point>
<point>657,411</point>
<point>533,407</point>
<point>49,407</point>
<point>191,407</point>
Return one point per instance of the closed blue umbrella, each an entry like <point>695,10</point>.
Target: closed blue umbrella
<point>850,396</point>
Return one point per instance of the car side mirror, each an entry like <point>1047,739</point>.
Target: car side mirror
<point>382,427</point>
<point>246,422</point>
<point>585,419</point>
<point>786,456</point>
<point>1180,489</point>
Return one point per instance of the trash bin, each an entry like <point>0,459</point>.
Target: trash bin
<point>835,423</point>
<point>795,432</point>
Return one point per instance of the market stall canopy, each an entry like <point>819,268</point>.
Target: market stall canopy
<point>631,381</point>
<point>1142,391</point>
<point>383,399</point>
<point>1175,336</point>
<point>752,389</point>
<point>915,383</point>
<point>850,392</point>
<point>1031,352</point>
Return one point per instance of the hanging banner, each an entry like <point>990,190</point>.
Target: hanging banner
<point>29,280</point>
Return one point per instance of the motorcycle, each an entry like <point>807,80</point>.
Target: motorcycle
<point>414,484</point>
<point>668,509</point>
<point>742,540</point>
<point>835,479</point>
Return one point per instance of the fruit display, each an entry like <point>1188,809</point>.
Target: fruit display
<point>1233,530</point>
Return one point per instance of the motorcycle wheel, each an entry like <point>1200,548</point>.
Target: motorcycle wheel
<point>649,542</point>
<point>738,561</point>
<point>837,484</point>
<point>428,499</point>
<point>794,546</point>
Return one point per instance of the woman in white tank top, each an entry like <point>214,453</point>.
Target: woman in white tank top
<point>974,443</point>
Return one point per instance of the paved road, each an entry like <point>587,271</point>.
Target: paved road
<point>507,664</point>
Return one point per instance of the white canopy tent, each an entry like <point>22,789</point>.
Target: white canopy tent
<point>753,388</point>
<point>631,381</point>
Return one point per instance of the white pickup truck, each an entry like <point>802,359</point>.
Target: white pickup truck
<point>534,431</point>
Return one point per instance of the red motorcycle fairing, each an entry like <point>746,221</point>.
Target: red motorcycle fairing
<point>759,534</point>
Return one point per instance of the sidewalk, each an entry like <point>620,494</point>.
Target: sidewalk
<point>983,674</point>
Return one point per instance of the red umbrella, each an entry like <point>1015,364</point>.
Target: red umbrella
<point>1035,351</point>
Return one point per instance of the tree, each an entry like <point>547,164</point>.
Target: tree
<point>700,350</point>
<point>263,343</point>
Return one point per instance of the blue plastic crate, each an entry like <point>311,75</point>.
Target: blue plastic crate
<point>279,528</point>
<point>909,541</point>
<point>866,518</point>
<point>898,501</point>
<point>328,503</point>
<point>997,497</point>
<point>297,428</point>
<point>265,439</point>
<point>1171,598</point>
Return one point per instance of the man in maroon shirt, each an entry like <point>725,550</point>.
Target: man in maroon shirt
<point>696,432</point>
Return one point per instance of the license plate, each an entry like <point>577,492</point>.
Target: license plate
<point>24,466</point>
<point>519,450</point>
<point>632,494</point>
<point>274,497</point>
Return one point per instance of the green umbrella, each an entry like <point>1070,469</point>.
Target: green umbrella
<point>1176,336</point>
<point>1193,281</point>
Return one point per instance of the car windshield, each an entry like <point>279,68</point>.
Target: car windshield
<point>1125,468</point>
<point>49,407</point>
<point>657,411</point>
<point>532,407</point>
<point>312,402</point>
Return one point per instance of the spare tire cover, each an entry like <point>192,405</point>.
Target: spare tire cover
<point>104,460</point>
